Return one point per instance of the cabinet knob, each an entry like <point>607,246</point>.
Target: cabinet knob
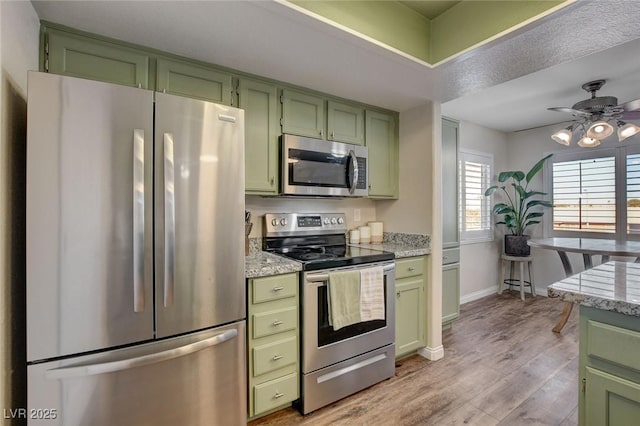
<point>277,323</point>
<point>278,395</point>
<point>272,180</point>
<point>332,135</point>
<point>276,357</point>
<point>321,132</point>
<point>278,288</point>
<point>398,294</point>
<point>411,269</point>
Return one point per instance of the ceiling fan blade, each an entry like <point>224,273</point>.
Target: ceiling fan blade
<point>575,112</point>
<point>631,115</point>
<point>631,105</point>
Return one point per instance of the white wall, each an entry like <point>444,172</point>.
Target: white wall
<point>19,52</point>
<point>480,262</point>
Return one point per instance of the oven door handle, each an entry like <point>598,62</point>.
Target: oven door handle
<point>354,167</point>
<point>314,278</point>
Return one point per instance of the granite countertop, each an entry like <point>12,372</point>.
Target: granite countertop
<point>262,264</point>
<point>612,286</point>
<point>402,245</point>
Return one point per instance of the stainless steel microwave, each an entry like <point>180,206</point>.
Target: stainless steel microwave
<point>316,167</point>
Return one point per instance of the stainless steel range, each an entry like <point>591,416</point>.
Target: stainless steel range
<point>335,363</point>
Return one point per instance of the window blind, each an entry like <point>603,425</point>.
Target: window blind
<point>475,208</point>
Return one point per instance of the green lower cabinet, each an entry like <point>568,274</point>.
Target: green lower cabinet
<point>260,104</point>
<point>193,81</point>
<point>273,343</point>
<point>85,57</point>
<point>381,139</point>
<point>410,304</point>
<point>609,392</point>
<point>450,293</point>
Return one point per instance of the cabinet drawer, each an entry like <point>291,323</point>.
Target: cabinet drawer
<point>274,288</point>
<point>272,322</point>
<point>450,256</point>
<point>275,393</point>
<point>274,355</point>
<point>409,267</point>
<point>614,344</point>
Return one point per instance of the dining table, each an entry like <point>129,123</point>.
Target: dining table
<point>588,247</point>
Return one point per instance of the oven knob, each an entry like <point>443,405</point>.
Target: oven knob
<point>326,220</point>
<point>283,222</point>
<point>340,221</point>
<point>333,221</point>
<point>274,222</point>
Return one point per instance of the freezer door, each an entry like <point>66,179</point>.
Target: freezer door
<point>199,157</point>
<point>198,379</point>
<point>89,218</point>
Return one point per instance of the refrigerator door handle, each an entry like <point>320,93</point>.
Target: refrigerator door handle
<point>169,219</point>
<point>126,364</point>
<point>138,220</point>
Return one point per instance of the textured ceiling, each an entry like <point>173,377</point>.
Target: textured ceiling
<point>431,8</point>
<point>506,85</point>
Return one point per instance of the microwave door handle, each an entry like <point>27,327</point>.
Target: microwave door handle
<point>354,165</point>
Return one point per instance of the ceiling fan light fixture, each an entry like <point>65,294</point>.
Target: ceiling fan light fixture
<point>626,130</point>
<point>563,136</point>
<point>600,130</point>
<point>588,142</point>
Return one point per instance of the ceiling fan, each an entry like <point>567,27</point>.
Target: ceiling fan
<point>596,116</point>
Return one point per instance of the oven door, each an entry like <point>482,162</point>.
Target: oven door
<point>323,346</point>
<point>317,167</point>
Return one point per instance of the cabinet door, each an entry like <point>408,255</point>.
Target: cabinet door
<point>193,81</point>
<point>450,235</point>
<point>409,315</point>
<point>93,59</point>
<point>610,400</point>
<point>450,293</point>
<point>383,155</point>
<point>260,104</point>
<point>345,123</point>
<point>303,114</point>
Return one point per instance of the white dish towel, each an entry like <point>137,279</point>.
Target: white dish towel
<point>372,294</point>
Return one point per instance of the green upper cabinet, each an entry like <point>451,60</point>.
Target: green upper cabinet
<point>450,232</point>
<point>303,114</point>
<point>85,57</point>
<point>260,103</point>
<point>194,81</point>
<point>383,154</point>
<point>345,123</point>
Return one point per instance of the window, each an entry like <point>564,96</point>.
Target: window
<point>475,209</point>
<point>596,192</point>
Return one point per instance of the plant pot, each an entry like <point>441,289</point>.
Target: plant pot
<point>516,245</point>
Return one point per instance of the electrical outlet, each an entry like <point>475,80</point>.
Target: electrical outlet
<point>356,215</point>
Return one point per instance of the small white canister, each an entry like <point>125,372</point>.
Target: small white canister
<point>354,236</point>
<point>376,232</point>
<point>365,234</point>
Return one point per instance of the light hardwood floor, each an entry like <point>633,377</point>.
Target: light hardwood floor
<point>503,366</point>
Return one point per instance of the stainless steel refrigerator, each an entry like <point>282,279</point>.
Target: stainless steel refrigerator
<point>135,257</point>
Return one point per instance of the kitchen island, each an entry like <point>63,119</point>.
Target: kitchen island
<point>609,298</point>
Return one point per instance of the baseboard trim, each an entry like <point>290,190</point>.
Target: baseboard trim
<point>493,290</point>
<point>432,354</point>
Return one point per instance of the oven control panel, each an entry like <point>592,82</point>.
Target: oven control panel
<point>279,224</point>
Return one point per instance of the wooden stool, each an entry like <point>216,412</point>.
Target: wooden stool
<point>511,281</point>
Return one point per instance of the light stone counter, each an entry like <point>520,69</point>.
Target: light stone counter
<point>262,264</point>
<point>612,286</point>
<point>402,245</point>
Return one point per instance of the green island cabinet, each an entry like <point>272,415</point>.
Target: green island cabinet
<point>609,368</point>
<point>273,350</point>
<point>260,103</point>
<point>410,304</point>
<point>450,228</point>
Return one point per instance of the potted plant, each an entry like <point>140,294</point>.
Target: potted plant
<point>517,206</point>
